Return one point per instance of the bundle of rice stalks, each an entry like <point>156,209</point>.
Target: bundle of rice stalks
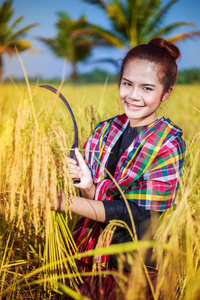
<point>178,266</point>
<point>33,174</point>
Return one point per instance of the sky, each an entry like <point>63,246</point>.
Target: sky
<point>40,61</point>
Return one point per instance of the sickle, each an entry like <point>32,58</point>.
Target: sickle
<point>75,144</point>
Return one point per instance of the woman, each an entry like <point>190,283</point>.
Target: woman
<point>143,154</point>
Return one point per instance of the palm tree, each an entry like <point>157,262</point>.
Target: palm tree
<point>75,40</point>
<point>9,38</point>
<point>135,22</point>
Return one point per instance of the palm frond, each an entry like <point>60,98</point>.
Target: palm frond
<point>119,17</point>
<point>6,11</point>
<point>132,22</point>
<point>158,17</point>
<point>9,38</point>
<point>100,35</point>
<point>106,60</point>
<point>21,45</point>
<point>182,36</point>
<point>15,23</point>
<point>101,3</point>
<point>164,31</point>
<point>23,30</point>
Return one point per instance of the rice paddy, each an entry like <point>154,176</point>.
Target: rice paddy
<point>38,256</point>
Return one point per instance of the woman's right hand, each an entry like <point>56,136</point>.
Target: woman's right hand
<point>82,172</point>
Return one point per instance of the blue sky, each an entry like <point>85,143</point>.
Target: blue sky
<point>41,62</point>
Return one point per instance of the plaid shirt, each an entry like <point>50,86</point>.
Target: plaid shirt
<point>148,171</point>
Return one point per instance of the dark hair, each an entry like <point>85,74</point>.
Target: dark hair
<point>161,52</point>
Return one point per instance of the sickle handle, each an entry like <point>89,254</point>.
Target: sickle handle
<point>75,144</point>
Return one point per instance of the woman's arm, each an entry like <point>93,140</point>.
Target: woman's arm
<point>91,209</point>
<point>84,207</point>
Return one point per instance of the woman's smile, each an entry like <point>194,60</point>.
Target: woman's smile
<point>134,106</point>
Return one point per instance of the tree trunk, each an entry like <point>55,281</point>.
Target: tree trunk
<point>74,74</point>
<point>1,69</point>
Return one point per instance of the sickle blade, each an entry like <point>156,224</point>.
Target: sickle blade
<point>75,144</point>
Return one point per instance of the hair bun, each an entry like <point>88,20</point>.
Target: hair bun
<point>168,46</point>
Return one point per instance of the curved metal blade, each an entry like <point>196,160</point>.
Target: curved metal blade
<point>75,144</point>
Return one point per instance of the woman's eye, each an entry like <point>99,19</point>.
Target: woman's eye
<point>127,83</point>
<point>146,88</point>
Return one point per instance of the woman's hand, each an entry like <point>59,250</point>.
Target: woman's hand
<point>82,172</point>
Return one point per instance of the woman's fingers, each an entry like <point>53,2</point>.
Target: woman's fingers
<point>79,157</point>
<point>75,172</point>
<point>74,169</point>
<point>82,164</point>
<point>71,161</point>
<point>80,171</point>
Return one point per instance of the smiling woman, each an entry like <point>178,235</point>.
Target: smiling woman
<point>143,154</point>
<point>147,77</point>
<point>141,92</point>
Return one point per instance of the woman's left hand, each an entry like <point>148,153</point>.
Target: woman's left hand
<point>80,171</point>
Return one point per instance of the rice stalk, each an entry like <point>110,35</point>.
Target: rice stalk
<point>33,175</point>
<point>177,245</point>
<point>28,88</point>
<point>179,228</point>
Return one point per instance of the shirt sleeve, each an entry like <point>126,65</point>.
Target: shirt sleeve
<point>157,187</point>
<point>117,210</point>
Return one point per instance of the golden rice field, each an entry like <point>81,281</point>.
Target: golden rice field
<point>37,253</point>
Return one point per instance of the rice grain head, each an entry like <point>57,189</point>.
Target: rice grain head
<point>33,169</point>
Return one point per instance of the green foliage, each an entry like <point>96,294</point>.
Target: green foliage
<point>189,76</point>
<point>135,22</point>
<point>66,45</point>
<point>75,40</point>
<point>97,76</point>
<point>132,22</point>
<point>10,38</point>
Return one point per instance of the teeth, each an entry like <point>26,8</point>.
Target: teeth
<point>134,105</point>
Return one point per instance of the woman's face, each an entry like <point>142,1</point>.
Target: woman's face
<point>141,91</point>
